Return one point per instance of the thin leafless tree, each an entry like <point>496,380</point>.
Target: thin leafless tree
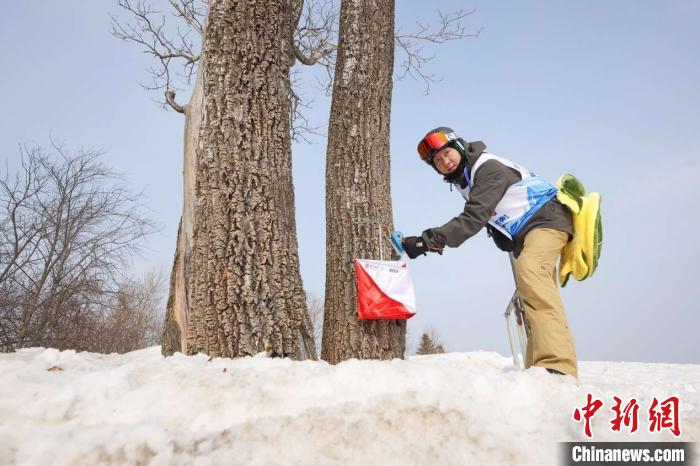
<point>68,228</point>
<point>430,343</point>
<point>134,315</point>
<point>315,306</point>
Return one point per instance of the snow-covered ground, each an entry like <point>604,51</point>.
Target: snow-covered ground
<point>457,408</point>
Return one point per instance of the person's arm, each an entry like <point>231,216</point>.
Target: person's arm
<point>491,181</point>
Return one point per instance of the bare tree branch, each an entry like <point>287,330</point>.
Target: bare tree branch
<point>170,99</point>
<point>450,27</point>
<point>174,39</point>
<point>192,12</point>
<point>314,43</point>
<point>301,127</point>
<point>170,44</point>
<point>314,36</point>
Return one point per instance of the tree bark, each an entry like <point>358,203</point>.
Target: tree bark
<point>237,288</point>
<point>177,308</point>
<point>358,179</point>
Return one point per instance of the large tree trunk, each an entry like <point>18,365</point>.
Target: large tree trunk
<point>357,179</point>
<point>238,290</point>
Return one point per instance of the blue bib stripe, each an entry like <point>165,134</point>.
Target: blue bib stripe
<point>520,201</point>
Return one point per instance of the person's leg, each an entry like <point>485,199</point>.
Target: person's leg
<point>550,344</point>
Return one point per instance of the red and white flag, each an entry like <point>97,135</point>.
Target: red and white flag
<point>384,290</point>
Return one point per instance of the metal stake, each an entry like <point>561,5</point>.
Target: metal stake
<point>516,319</point>
<point>379,225</point>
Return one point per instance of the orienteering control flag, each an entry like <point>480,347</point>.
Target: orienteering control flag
<point>384,290</point>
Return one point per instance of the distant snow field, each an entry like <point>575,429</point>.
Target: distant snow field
<point>456,408</point>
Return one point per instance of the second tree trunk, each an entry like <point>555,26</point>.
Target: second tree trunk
<point>358,196</point>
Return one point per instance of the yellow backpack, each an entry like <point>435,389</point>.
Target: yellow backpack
<point>580,255</point>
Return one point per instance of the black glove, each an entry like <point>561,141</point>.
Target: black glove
<point>414,246</point>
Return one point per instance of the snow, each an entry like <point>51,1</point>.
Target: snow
<point>455,408</point>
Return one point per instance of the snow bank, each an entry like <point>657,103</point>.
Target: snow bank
<point>457,408</point>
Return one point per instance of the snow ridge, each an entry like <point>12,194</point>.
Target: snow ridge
<point>455,408</point>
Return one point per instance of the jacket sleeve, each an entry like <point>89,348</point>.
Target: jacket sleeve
<point>490,184</point>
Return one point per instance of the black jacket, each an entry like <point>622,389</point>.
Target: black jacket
<point>491,181</point>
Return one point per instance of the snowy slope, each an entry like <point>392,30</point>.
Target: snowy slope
<point>456,408</point>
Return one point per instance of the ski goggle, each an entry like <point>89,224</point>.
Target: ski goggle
<point>432,143</point>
